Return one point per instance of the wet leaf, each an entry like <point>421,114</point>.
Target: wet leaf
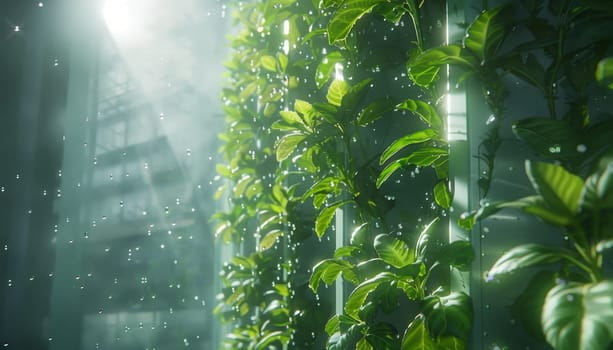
<point>528,255</point>
<point>393,251</point>
<point>560,189</point>
<point>426,112</point>
<point>287,144</point>
<point>529,71</point>
<point>442,196</point>
<point>425,156</point>
<point>269,63</point>
<point>416,336</point>
<point>411,139</point>
<point>325,70</point>
<point>486,33</point>
<point>448,315</point>
<point>337,91</point>
<point>375,110</point>
<point>269,239</point>
<point>579,316</point>
<point>358,296</point>
<point>458,254</point>
<point>597,192</point>
<point>325,217</point>
<point>327,271</point>
<point>424,69</point>
<point>345,17</point>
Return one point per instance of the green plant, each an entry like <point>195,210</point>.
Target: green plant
<point>397,272</point>
<point>299,148</point>
<point>577,311</point>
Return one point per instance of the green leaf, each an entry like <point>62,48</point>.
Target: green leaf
<point>225,231</point>
<point>388,171</point>
<point>528,255</point>
<point>424,69</point>
<point>426,112</point>
<point>528,306</point>
<point>375,110</point>
<point>579,316</point>
<point>529,70</point>
<point>534,205</point>
<point>458,254</point>
<point>422,157</point>
<point>291,117</point>
<point>411,139</point>
<point>360,235</point>
<point>597,192</point>
<point>346,16</point>
<point>416,336</point>
<point>560,189</point>
<point>423,245</point>
<point>356,94</point>
<point>325,217</point>
<point>327,271</point>
<point>448,315</point>
<point>276,336</point>
<point>269,239</point>
<point>338,89</point>
<point>326,68</point>
<point>307,110</point>
<point>223,170</point>
<point>330,184</point>
<point>547,137</point>
<point>347,250</point>
<point>486,33</point>
<point>363,344</point>
<point>383,336</point>
<point>393,251</point>
<point>310,35</point>
<point>332,326</point>
<point>287,144</point>
<point>442,196</point>
<point>451,343</point>
<point>269,63</point>
<point>347,339</point>
<point>604,72</point>
<point>241,185</point>
<point>248,91</point>
<point>360,293</point>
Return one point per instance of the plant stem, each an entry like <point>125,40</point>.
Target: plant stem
<point>550,88</point>
<point>411,9</point>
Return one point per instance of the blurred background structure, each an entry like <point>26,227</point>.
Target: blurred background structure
<point>109,113</point>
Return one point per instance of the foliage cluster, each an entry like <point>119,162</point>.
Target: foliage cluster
<point>312,107</point>
<point>334,109</point>
<point>561,50</point>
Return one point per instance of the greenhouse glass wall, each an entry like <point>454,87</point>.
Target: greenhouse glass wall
<point>289,174</point>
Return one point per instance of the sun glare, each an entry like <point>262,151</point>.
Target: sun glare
<point>121,18</point>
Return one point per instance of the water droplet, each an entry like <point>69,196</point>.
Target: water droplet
<point>555,148</point>
<point>581,148</point>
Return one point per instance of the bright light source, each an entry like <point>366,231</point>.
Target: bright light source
<point>121,17</point>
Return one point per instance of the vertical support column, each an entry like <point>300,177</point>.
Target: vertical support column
<point>463,139</point>
<point>66,312</point>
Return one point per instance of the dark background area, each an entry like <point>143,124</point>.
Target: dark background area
<point>32,93</point>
